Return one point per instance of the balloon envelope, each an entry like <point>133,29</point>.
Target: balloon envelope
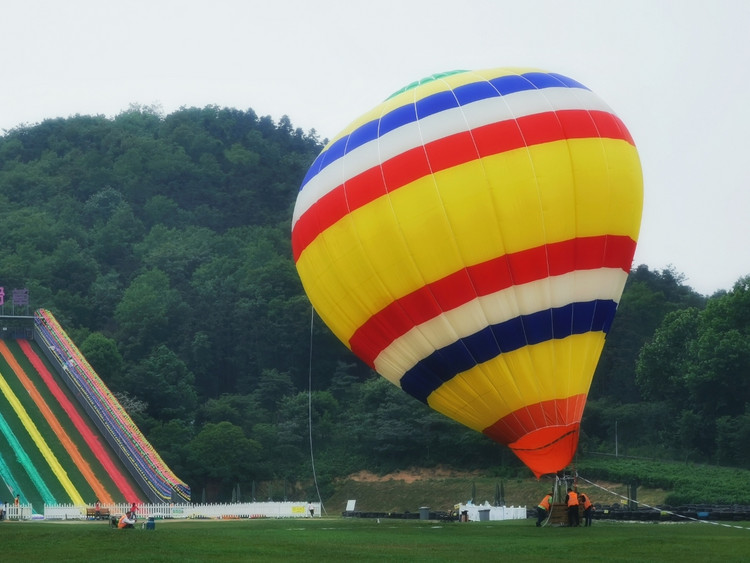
<point>469,238</point>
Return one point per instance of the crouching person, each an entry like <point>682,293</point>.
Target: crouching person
<point>126,520</point>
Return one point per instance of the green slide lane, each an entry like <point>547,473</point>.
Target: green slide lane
<point>7,475</point>
<point>25,461</point>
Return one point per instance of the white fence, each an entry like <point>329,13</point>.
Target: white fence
<point>476,512</point>
<point>13,512</point>
<point>165,511</point>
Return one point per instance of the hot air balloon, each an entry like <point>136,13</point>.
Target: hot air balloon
<point>469,238</point>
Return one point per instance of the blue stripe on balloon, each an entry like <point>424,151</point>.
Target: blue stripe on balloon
<point>363,134</point>
<point>543,80</point>
<point>557,323</point>
<point>388,122</point>
<point>430,105</point>
<point>440,101</point>
<point>477,91</point>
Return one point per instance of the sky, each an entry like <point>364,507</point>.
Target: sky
<point>675,71</point>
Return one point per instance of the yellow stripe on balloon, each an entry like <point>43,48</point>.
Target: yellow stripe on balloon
<point>595,197</point>
<point>610,193</point>
<point>411,237</point>
<point>486,393</point>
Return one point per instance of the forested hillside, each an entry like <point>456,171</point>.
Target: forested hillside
<point>162,245</point>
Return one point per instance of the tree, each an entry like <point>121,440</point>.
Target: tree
<point>240,410</point>
<point>102,353</point>
<point>648,297</point>
<point>164,381</point>
<point>172,439</point>
<point>101,206</point>
<point>718,378</point>
<point>732,437</point>
<point>176,252</point>
<point>272,388</point>
<point>665,360</point>
<point>72,268</point>
<point>698,364</point>
<point>222,453</point>
<point>112,241</point>
<point>144,312</point>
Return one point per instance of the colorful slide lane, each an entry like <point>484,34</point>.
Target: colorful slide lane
<point>10,481</point>
<point>51,447</point>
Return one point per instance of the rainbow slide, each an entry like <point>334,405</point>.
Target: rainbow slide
<point>64,438</point>
<point>47,459</point>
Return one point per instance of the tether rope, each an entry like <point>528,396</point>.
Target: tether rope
<point>555,495</point>
<point>660,509</point>
<point>309,411</point>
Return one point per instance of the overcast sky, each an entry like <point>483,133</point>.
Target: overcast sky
<point>677,72</point>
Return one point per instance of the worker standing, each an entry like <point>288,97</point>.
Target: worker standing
<point>571,500</point>
<point>588,508</point>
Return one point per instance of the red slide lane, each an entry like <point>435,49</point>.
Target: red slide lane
<point>91,440</point>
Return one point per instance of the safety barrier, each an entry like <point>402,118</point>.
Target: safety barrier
<point>224,511</point>
<point>479,512</point>
<point>17,512</point>
<point>64,512</point>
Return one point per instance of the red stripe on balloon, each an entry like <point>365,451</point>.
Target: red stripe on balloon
<point>450,292</point>
<point>448,152</point>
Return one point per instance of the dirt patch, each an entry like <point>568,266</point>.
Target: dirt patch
<point>410,475</point>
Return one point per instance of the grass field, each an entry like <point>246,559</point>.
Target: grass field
<point>339,539</point>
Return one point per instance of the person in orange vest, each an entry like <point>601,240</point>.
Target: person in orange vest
<point>126,521</point>
<point>543,509</point>
<point>588,508</point>
<point>571,500</point>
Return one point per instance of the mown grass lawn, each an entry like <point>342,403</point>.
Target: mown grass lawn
<point>339,539</point>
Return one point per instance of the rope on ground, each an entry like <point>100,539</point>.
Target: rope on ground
<point>661,509</point>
